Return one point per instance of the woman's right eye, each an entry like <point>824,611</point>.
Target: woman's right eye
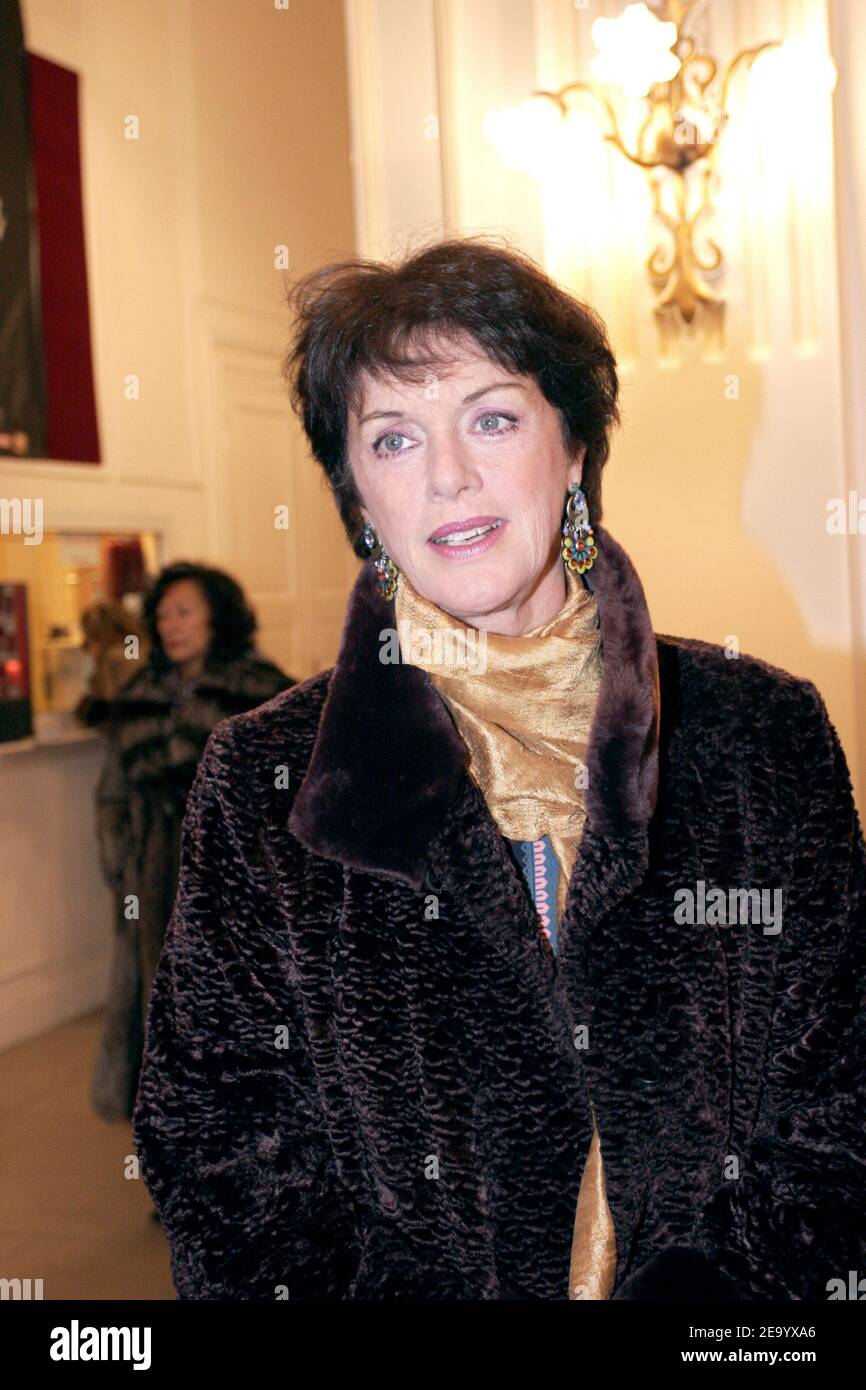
<point>383,438</point>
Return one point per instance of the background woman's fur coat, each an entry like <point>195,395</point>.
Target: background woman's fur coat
<point>157,731</point>
<point>364,1076</point>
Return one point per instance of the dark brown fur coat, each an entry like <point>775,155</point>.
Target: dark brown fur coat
<point>361,1080</point>
<point>156,734</point>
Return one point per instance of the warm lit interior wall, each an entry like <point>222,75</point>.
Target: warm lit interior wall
<point>732,445</point>
<point>243,148</point>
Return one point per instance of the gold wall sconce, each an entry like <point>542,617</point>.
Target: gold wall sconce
<point>650,55</point>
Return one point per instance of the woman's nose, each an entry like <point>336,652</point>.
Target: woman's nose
<point>450,470</point>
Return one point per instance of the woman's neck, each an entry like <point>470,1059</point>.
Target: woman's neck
<point>191,668</point>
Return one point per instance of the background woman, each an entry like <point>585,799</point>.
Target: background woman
<point>202,668</point>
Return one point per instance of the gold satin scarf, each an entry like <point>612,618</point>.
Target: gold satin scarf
<point>524,706</point>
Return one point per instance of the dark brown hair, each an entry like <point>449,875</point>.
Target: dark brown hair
<point>364,315</point>
<point>233,621</point>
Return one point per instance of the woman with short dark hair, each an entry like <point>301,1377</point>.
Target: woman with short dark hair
<point>201,667</point>
<point>521,953</point>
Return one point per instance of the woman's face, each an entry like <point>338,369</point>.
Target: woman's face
<point>183,620</point>
<point>474,447</point>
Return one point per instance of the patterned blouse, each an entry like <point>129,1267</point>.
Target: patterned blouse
<point>541,869</point>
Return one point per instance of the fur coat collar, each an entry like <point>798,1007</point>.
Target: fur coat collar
<point>388,753</point>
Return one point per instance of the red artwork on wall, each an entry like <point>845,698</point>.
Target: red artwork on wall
<point>72,431</point>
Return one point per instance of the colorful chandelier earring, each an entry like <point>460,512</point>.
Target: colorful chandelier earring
<point>386,569</point>
<point>578,543</point>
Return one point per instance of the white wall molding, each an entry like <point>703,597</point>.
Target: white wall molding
<point>367,119</point>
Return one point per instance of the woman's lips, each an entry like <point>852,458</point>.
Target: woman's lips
<point>471,548</point>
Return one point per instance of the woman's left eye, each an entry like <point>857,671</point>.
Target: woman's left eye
<point>497,415</point>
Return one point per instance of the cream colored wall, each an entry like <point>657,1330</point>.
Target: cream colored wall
<point>719,481</point>
<point>244,147</point>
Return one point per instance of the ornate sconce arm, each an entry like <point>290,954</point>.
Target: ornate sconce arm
<point>747,57</point>
<point>614,133</point>
<point>743,59</point>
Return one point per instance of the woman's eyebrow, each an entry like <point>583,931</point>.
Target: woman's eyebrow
<point>473,396</point>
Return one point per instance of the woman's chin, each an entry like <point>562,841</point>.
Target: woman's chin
<point>472,588</point>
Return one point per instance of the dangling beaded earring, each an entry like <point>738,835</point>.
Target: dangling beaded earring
<point>578,544</point>
<point>387,570</point>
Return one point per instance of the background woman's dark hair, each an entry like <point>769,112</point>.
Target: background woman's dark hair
<point>364,315</point>
<point>232,619</point>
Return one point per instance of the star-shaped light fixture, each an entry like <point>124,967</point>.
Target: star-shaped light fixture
<point>635,50</point>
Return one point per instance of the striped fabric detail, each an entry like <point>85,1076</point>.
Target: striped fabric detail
<point>541,871</point>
